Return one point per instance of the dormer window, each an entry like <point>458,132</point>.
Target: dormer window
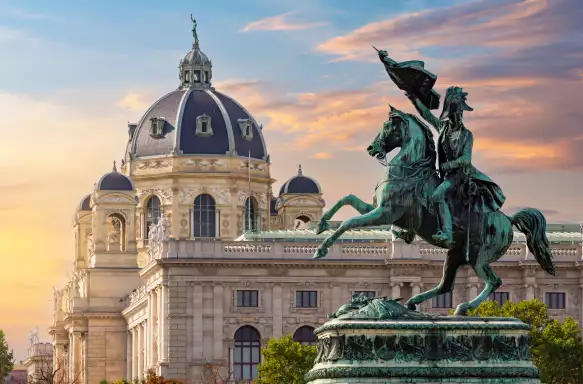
<point>157,127</point>
<point>246,126</point>
<point>203,126</point>
<point>196,76</point>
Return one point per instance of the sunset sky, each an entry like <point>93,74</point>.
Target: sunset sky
<point>73,73</point>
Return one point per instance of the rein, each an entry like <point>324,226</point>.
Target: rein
<point>422,172</point>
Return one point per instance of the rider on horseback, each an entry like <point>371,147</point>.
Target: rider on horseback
<point>455,162</point>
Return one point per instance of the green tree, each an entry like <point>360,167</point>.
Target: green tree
<point>6,356</point>
<point>285,361</point>
<point>556,348</point>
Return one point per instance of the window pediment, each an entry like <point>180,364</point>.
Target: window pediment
<point>246,126</point>
<point>157,125</point>
<point>204,125</point>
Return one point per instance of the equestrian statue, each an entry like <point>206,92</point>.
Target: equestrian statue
<point>453,206</point>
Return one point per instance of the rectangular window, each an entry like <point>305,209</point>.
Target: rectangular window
<point>555,300</point>
<point>306,299</point>
<point>369,294</point>
<point>247,298</point>
<point>206,76</point>
<point>500,297</point>
<point>187,76</point>
<point>197,76</point>
<point>442,301</point>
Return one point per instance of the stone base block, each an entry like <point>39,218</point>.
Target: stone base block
<point>439,349</point>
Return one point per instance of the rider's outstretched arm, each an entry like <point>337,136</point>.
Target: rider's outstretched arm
<point>425,112</point>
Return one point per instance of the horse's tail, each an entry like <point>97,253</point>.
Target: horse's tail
<point>533,224</point>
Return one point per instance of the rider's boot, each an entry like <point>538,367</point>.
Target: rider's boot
<point>445,235</point>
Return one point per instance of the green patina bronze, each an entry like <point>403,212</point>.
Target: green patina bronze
<point>194,25</point>
<point>453,206</point>
<point>380,341</point>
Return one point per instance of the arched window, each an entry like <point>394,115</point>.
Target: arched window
<point>251,216</point>
<point>116,233</point>
<point>153,212</point>
<point>246,355</point>
<point>301,222</point>
<point>305,335</point>
<point>204,216</point>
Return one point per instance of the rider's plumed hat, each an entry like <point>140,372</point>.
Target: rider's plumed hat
<point>455,101</point>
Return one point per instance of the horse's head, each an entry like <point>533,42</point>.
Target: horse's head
<point>390,136</point>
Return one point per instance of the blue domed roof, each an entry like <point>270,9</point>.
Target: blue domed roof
<point>229,128</point>
<point>300,184</point>
<point>85,204</point>
<point>115,181</point>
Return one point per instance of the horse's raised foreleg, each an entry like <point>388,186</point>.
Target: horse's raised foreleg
<point>493,282</point>
<point>377,216</point>
<point>455,259</point>
<point>351,200</point>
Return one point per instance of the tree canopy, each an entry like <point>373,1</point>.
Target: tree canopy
<point>6,356</point>
<point>556,347</point>
<point>285,361</point>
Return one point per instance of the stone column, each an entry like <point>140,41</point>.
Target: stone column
<point>197,322</point>
<point>218,322</point>
<point>277,311</point>
<point>396,290</point>
<point>416,289</point>
<point>73,360</point>
<point>529,291</point>
<point>337,299</point>
<point>140,358</point>
<point>129,355</point>
<point>164,323</point>
<point>134,357</point>
<point>150,349</point>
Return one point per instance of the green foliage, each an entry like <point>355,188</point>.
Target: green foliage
<point>103,381</point>
<point>6,356</point>
<point>285,361</point>
<point>122,381</point>
<point>556,348</point>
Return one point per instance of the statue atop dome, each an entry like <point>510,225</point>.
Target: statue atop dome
<point>194,25</point>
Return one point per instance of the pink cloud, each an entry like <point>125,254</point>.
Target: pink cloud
<point>280,23</point>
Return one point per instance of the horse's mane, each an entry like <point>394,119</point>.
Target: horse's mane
<point>427,131</point>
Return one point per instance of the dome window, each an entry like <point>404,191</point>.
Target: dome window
<point>196,78</point>
<point>206,77</point>
<point>187,77</point>
<point>246,126</point>
<point>157,127</point>
<point>203,126</point>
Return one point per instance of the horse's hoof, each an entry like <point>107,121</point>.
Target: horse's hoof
<point>410,306</point>
<point>322,226</point>
<point>320,252</point>
<point>461,310</point>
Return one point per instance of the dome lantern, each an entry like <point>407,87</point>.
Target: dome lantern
<point>195,68</point>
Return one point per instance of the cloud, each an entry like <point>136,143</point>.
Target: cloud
<point>135,101</point>
<point>322,155</point>
<point>520,61</point>
<point>280,23</point>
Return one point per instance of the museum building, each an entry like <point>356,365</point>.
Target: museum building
<point>229,264</point>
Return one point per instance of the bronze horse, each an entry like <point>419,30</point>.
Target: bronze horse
<point>402,198</point>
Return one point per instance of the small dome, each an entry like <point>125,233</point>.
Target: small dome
<point>300,184</point>
<point>114,181</point>
<point>196,56</point>
<point>85,204</point>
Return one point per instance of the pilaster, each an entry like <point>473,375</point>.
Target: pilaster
<point>218,322</point>
<point>277,310</point>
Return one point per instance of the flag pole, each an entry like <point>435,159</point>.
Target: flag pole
<point>250,201</point>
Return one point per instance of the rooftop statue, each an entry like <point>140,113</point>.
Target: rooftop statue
<point>455,206</point>
<point>194,25</point>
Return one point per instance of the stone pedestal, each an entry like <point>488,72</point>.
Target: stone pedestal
<point>413,347</point>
